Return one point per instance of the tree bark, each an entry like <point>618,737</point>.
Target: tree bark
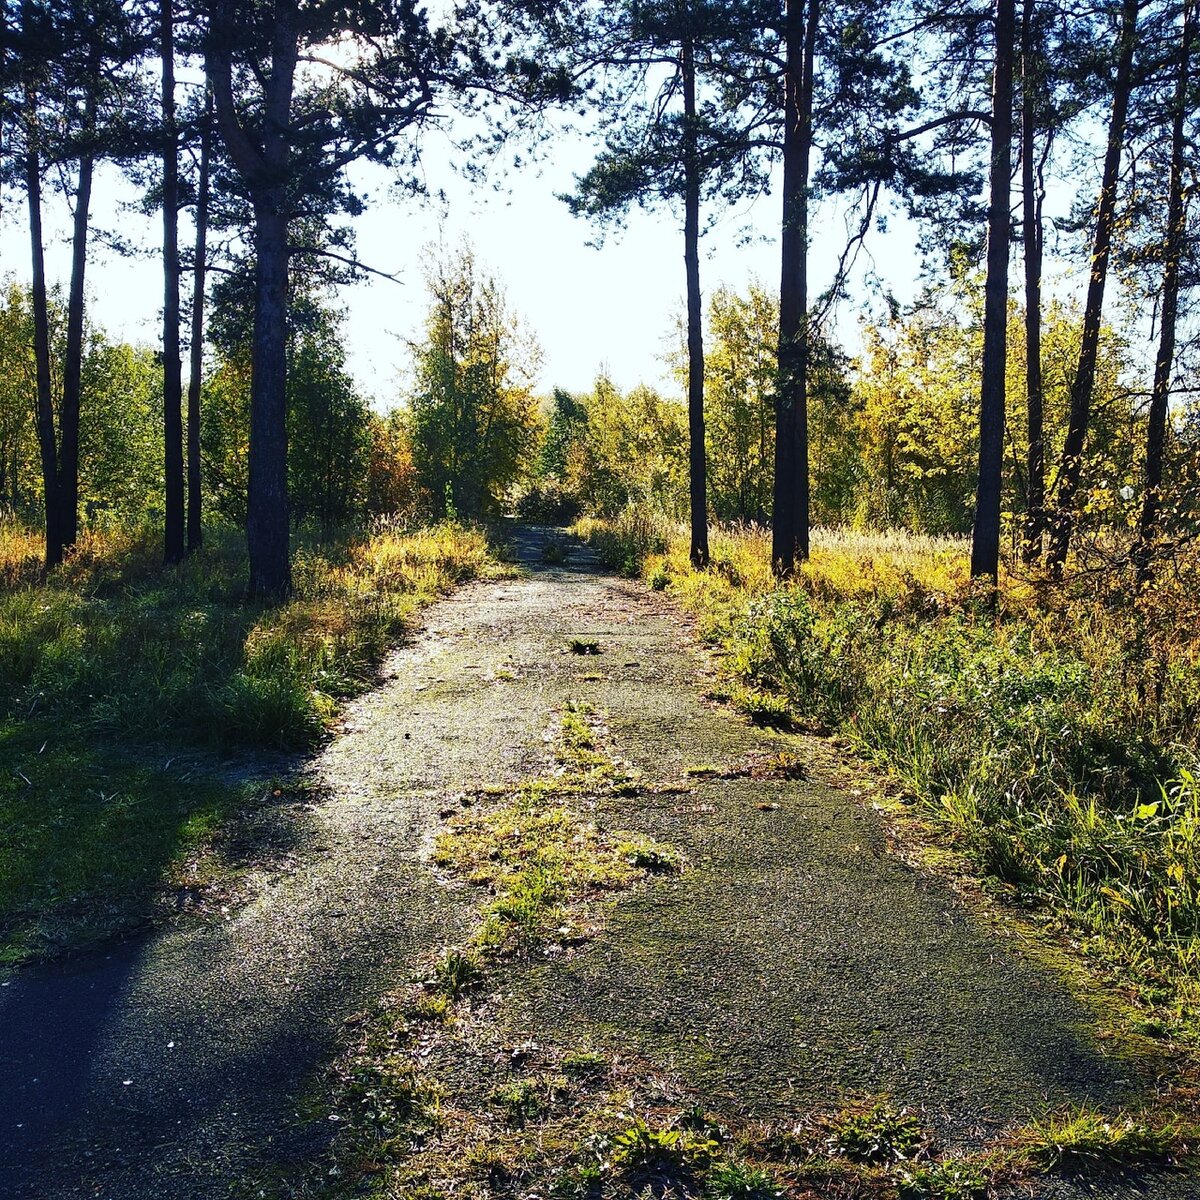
<point>1031,229</point>
<point>790,515</point>
<point>195,524</point>
<point>1071,464</point>
<point>267,500</point>
<point>68,416</point>
<point>47,440</point>
<point>985,540</point>
<point>266,170</point>
<point>697,473</point>
<point>1156,428</point>
<point>173,524</point>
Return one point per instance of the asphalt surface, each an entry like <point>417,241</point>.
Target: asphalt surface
<point>795,963</point>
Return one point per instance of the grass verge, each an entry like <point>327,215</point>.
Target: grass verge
<point>125,687</point>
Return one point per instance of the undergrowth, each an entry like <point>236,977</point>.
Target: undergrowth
<point>1052,736</point>
<point>123,685</point>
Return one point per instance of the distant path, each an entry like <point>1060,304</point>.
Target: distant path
<point>797,962</point>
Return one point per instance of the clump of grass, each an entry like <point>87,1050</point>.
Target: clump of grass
<point>647,1155</point>
<point>524,1101</point>
<point>949,1179</point>
<point>458,972</point>
<point>583,1064</point>
<point>875,1135</point>
<point>583,646</point>
<point>736,1181</point>
<point>1088,1136</point>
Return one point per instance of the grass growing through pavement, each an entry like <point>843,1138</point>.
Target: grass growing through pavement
<point>539,860</point>
<point>1052,739</point>
<point>121,680</point>
<point>432,1102</point>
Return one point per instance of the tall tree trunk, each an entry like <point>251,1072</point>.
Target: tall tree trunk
<point>985,540</point>
<point>697,472</point>
<point>47,441</point>
<point>68,417</point>
<point>789,534</point>
<point>1031,229</point>
<point>1071,464</point>
<point>267,172</point>
<point>1156,430</point>
<point>173,524</point>
<point>267,501</point>
<point>195,524</point>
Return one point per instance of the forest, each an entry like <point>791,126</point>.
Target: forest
<point>946,534</point>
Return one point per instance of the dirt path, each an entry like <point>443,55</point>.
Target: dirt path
<point>797,961</point>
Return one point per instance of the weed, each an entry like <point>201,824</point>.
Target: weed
<point>645,1154</point>
<point>763,708</point>
<point>583,1064</point>
<point>786,765</point>
<point>1087,1135</point>
<point>429,1006</point>
<point>583,646</point>
<point>734,1181</point>
<point>949,1179</point>
<point>650,856</point>
<point>458,972</point>
<point>876,1135</point>
<point>554,551</point>
<point>527,1100</point>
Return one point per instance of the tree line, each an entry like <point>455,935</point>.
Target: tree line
<point>962,113</point>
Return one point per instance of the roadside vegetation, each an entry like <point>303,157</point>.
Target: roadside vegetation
<point>1049,735</point>
<point>131,696</point>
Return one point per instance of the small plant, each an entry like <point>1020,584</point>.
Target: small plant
<point>701,771</point>
<point>734,1181</point>
<point>583,646</point>
<point>1086,1134</point>
<point>786,765</point>
<point>651,856</point>
<point>458,972</point>
<point>584,1064</point>
<point>429,1006</point>
<point>763,708</point>
<point>643,1153</point>
<point>554,552</point>
<point>524,1100</point>
<point>660,577</point>
<point>946,1180</point>
<point>876,1135</point>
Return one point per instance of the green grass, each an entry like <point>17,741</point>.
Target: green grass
<point>125,686</point>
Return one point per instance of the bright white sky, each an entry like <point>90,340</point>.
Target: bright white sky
<point>614,307</point>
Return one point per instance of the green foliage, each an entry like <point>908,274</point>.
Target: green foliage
<point>1085,1135</point>
<point>120,425</point>
<point>645,1154</point>
<point>474,421</point>
<point>949,1179</point>
<point>457,973</point>
<point>735,1181</point>
<point>876,1135</point>
<point>631,453</point>
<point>342,459</point>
